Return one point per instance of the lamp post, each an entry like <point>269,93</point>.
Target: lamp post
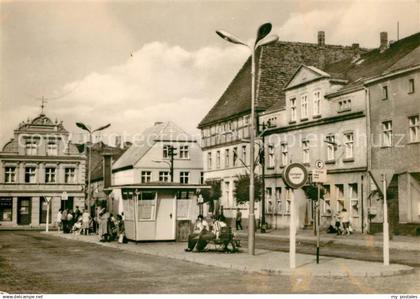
<point>87,128</point>
<point>260,40</point>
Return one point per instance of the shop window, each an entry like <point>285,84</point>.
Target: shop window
<point>6,208</point>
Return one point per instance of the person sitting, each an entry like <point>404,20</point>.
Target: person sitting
<point>200,227</point>
<point>219,224</point>
<point>77,227</point>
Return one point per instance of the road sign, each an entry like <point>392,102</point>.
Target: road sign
<point>295,175</point>
<point>378,175</point>
<point>319,164</point>
<point>64,196</point>
<point>319,175</point>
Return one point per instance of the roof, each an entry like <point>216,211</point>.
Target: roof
<point>400,54</point>
<point>275,64</point>
<point>98,150</point>
<point>167,131</point>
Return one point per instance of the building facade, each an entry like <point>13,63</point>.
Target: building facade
<point>224,128</point>
<point>38,165</point>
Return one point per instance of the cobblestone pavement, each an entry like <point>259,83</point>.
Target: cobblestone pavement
<point>31,262</point>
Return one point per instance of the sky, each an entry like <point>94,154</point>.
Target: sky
<point>132,63</point>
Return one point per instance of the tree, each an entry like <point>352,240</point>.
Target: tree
<point>311,192</point>
<point>241,190</point>
<point>212,194</point>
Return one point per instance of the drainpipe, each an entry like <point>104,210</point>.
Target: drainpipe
<point>368,154</point>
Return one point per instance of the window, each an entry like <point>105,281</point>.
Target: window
<point>235,156</point>
<point>414,128</point>
<point>284,157</point>
<point>146,176</point>
<point>278,206</point>
<point>218,159</point>
<point>354,199</point>
<point>304,107</point>
<point>6,208</point>
<point>163,176</point>
<point>165,153</point>
<point>344,105</point>
<point>49,175</point>
<point>209,162</point>
<point>327,200</point>
<point>348,145</point>
<point>10,174</point>
<point>184,152</point>
<point>227,158</point>
<point>184,177</point>
<point>271,158</point>
<point>244,154</point>
<point>317,103</point>
<point>30,175</point>
<point>330,147</point>
<point>384,92</point>
<point>305,149</point>
<point>411,86</point>
<point>293,113</point>
<point>268,195</point>
<point>31,148</point>
<point>339,196</point>
<point>52,149</point>
<point>387,133</point>
<point>69,175</point>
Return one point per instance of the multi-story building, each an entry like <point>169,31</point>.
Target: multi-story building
<point>327,117</point>
<point>223,129</point>
<point>39,164</point>
<point>394,104</point>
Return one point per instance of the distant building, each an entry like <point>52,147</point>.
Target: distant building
<point>223,129</point>
<point>156,208</point>
<point>39,163</point>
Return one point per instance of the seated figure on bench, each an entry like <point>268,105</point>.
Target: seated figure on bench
<point>201,228</point>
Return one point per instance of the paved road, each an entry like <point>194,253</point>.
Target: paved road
<point>31,262</point>
<point>405,257</point>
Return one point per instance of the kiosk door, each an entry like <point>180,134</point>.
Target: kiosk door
<point>165,219</point>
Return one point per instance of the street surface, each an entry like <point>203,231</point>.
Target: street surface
<point>372,254</point>
<point>31,262</point>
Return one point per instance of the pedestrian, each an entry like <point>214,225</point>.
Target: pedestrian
<point>85,222</point>
<point>58,219</point>
<point>345,219</point>
<point>77,214</point>
<point>103,227</point>
<point>238,219</point>
<point>64,221</point>
<point>337,218</point>
<point>121,229</point>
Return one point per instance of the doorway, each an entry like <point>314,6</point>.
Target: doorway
<point>24,210</point>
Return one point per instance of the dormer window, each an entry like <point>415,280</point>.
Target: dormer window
<point>52,149</point>
<point>304,107</point>
<point>31,148</point>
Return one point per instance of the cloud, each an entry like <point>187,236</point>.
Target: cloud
<point>348,22</point>
<point>159,82</point>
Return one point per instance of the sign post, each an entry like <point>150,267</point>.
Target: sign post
<point>384,175</point>
<point>386,225</point>
<point>295,176</point>
<point>319,175</point>
<point>48,199</point>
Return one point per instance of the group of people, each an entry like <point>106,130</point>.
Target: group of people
<point>203,233</point>
<point>341,223</point>
<point>104,224</point>
<point>74,221</point>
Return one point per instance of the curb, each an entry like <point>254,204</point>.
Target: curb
<point>403,269</point>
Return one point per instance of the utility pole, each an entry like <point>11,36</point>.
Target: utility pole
<point>262,162</point>
<point>171,153</point>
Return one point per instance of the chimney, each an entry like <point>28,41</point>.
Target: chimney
<point>158,123</point>
<point>118,141</point>
<point>384,41</point>
<point>321,38</point>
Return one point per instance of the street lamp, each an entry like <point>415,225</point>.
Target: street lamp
<point>87,128</point>
<point>261,39</point>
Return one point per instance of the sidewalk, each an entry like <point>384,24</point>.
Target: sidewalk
<point>264,261</point>
<point>355,239</point>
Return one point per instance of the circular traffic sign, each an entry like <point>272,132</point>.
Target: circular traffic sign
<point>319,164</point>
<point>295,175</point>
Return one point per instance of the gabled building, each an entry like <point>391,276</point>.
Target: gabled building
<point>38,164</point>
<point>158,206</point>
<point>339,115</point>
<point>223,129</point>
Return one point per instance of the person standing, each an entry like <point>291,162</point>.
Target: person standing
<point>85,222</point>
<point>121,229</point>
<point>345,219</point>
<point>238,219</point>
<point>58,219</point>
<point>64,221</point>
